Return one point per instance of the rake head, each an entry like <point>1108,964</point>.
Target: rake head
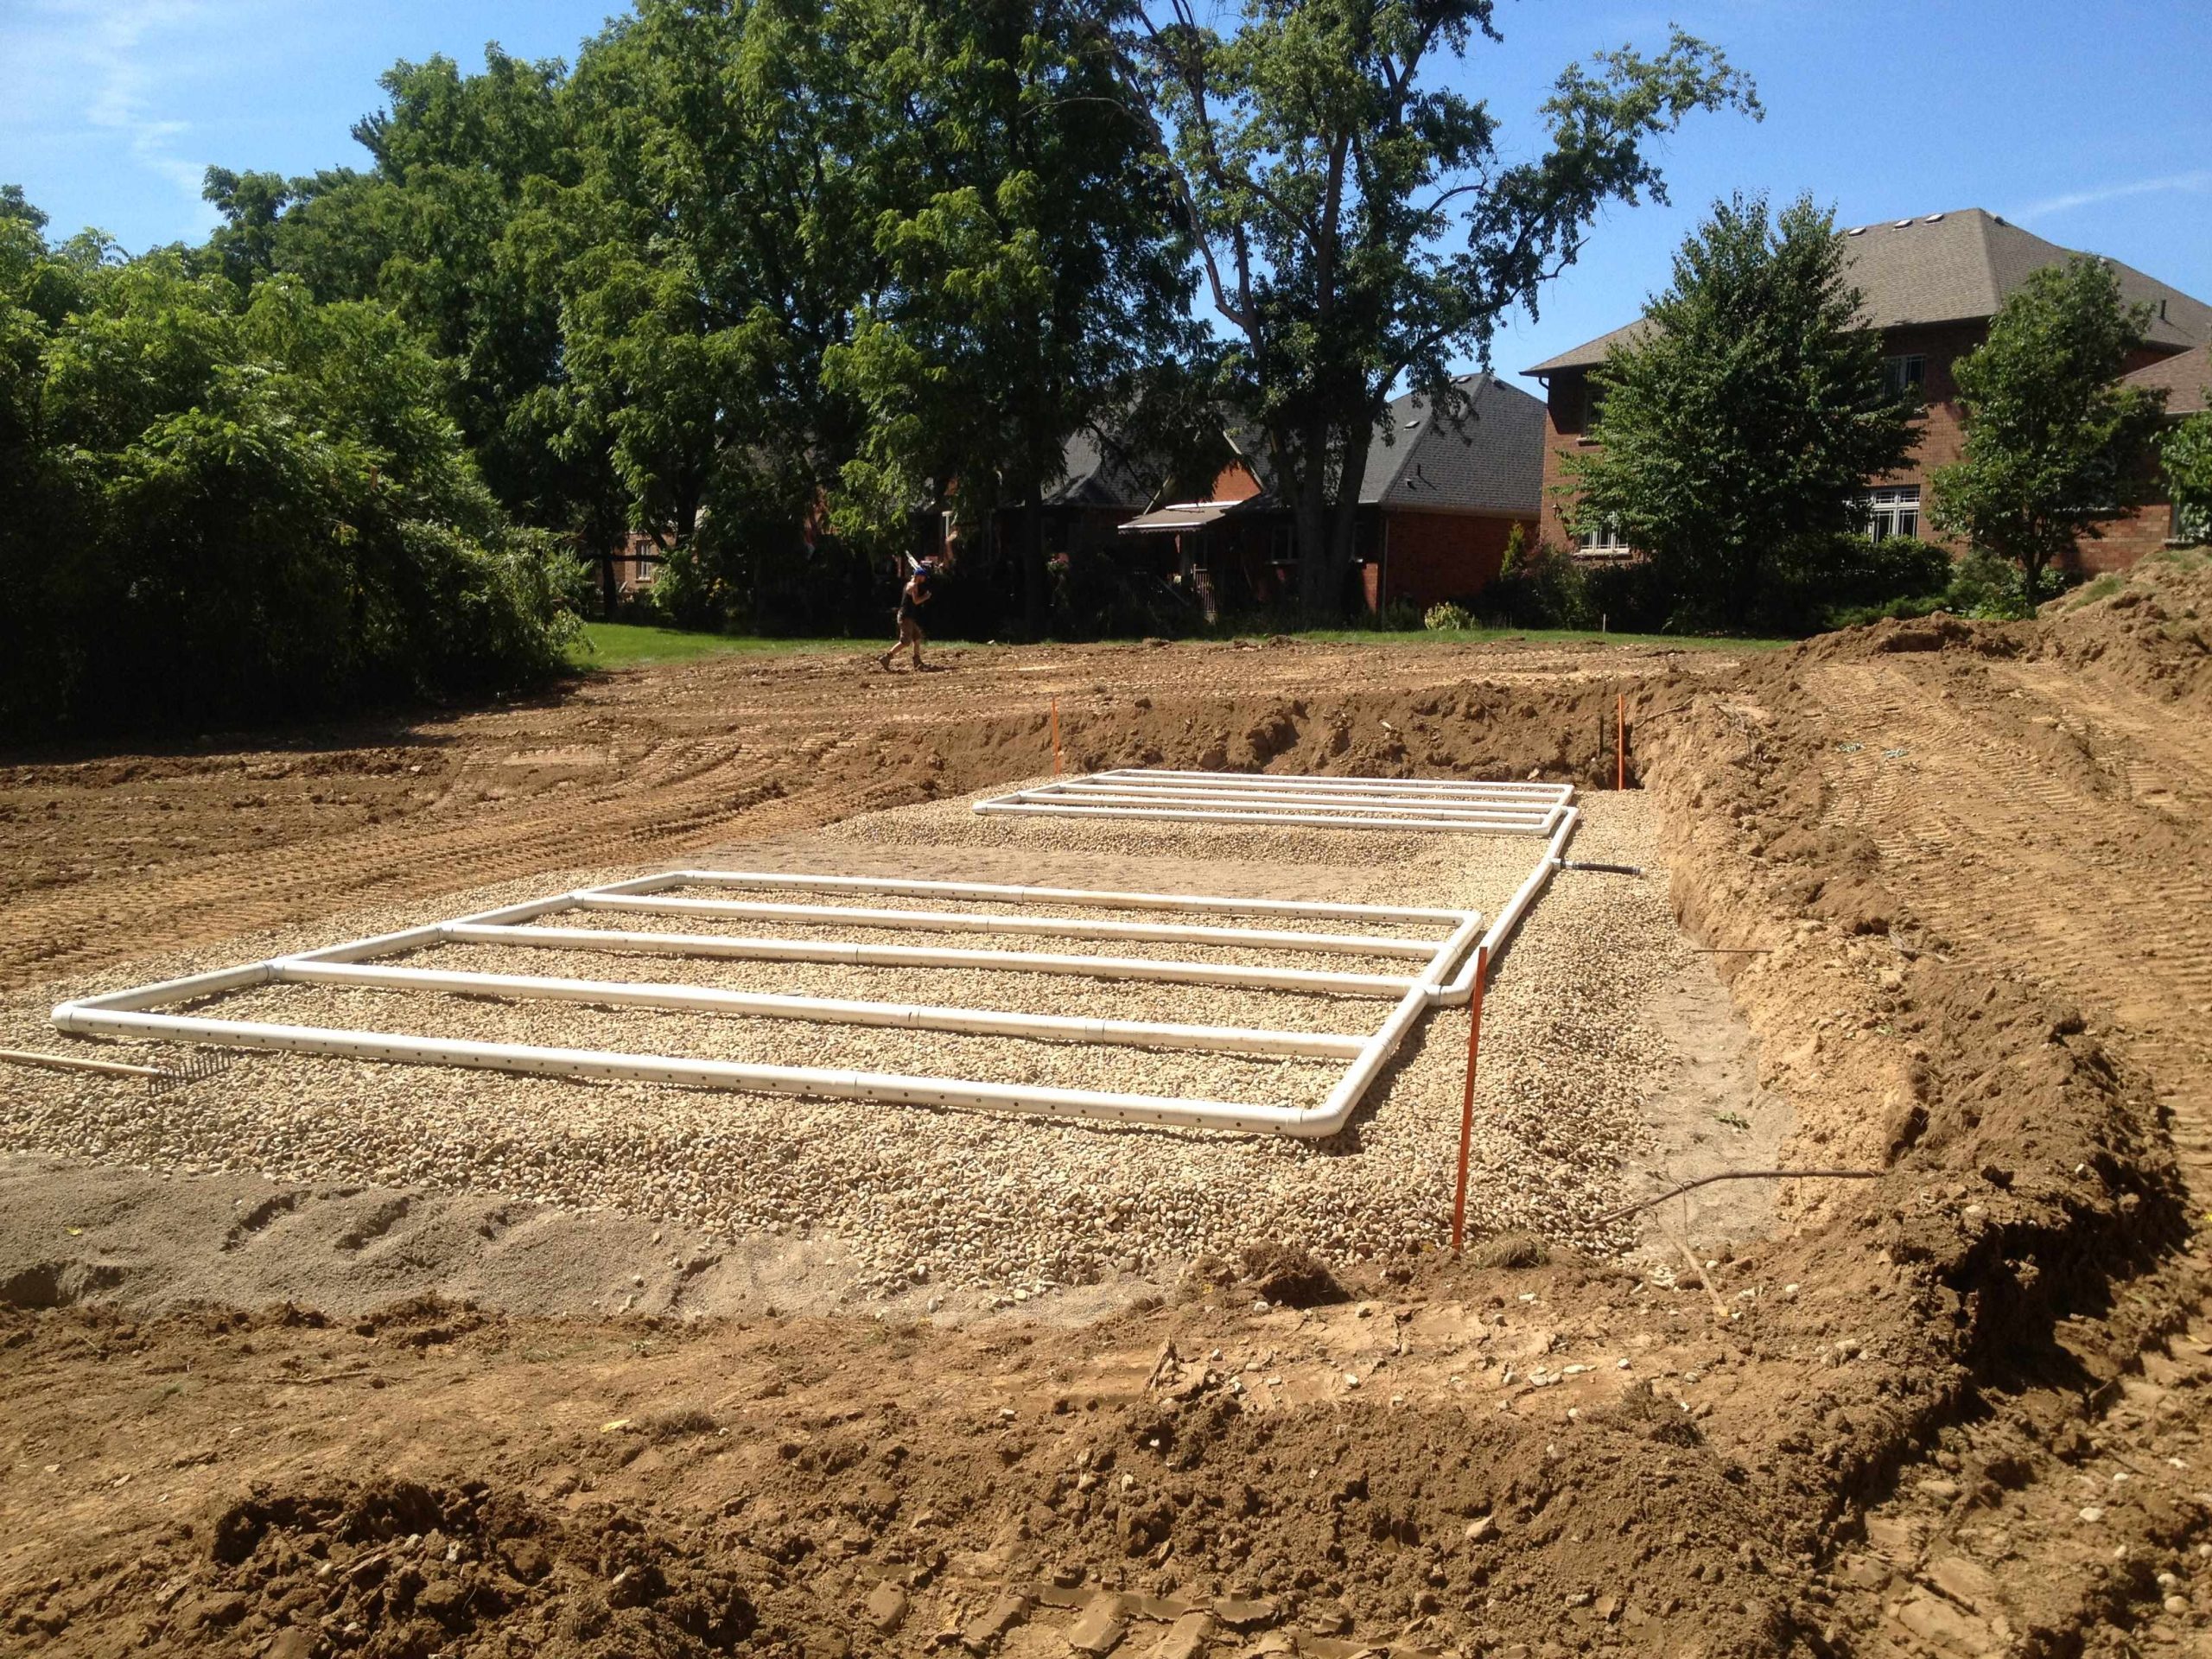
<point>196,1066</point>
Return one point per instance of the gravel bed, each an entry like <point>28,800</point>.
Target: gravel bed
<point>933,1199</point>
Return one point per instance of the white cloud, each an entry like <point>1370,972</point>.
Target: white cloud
<point>117,78</point>
<point>2190,183</point>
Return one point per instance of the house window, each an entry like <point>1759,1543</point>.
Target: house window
<point>1904,374</point>
<point>1894,512</point>
<point>1602,542</point>
<point>1593,404</point>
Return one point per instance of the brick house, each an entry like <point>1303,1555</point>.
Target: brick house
<point>1437,503</point>
<point>2184,377</point>
<point>1932,285</point>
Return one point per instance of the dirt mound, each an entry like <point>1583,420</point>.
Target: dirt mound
<point>1471,729</point>
<point>1937,1416</point>
<point>394,1569</point>
<point>101,855</point>
<point>2150,631</point>
<point>1293,1277</point>
<point>1892,636</point>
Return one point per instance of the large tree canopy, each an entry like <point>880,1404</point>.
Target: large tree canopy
<point>1031,262</point>
<point>449,228</point>
<point>1358,228</point>
<point>1742,427</point>
<point>773,280</point>
<point>720,243</point>
<point>213,504</point>
<point>2054,443</point>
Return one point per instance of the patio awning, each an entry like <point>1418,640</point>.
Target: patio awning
<point>1182,515</point>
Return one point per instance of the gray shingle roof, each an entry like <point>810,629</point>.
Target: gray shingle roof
<point>2183,378</point>
<point>1953,267</point>
<point>1492,461</point>
<point>1097,475</point>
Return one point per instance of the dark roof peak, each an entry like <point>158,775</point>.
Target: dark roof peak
<point>1953,266</point>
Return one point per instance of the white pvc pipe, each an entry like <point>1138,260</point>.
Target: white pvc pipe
<point>805,1080</point>
<point>905,956</point>
<point>1475,814</point>
<point>952,921</point>
<point>828,1010</point>
<point>128,1013</point>
<point>1227,815</point>
<point>1508,921</point>
<point>1081,898</point>
<point>1192,789</point>
<point>1292,780</point>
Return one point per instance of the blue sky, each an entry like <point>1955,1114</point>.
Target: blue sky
<point>2088,123</point>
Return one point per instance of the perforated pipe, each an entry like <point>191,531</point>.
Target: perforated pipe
<point>133,1012</point>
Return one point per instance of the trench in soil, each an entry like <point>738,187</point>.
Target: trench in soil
<point>1658,1463</point>
<point>1614,1068</point>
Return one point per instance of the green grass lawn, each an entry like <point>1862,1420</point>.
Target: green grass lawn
<point>624,645</point>
<point>1533,635</point>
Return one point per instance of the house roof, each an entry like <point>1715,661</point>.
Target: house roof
<point>1180,515</point>
<point>2183,378</point>
<point>1953,267</point>
<point>1491,460</point>
<point>1098,471</point>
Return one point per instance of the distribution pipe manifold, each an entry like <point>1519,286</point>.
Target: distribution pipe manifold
<point>1446,963</point>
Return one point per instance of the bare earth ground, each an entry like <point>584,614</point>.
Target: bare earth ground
<point>1960,1408</point>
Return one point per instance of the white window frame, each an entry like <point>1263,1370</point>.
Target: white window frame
<point>1905,370</point>
<point>1605,541</point>
<point>1893,510</point>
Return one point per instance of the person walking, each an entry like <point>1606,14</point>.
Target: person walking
<point>912,597</point>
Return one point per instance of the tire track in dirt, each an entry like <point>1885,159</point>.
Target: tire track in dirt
<point>2090,890</point>
<point>701,797</point>
<point>639,767</point>
<point>2029,820</point>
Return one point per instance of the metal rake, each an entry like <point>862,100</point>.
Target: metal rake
<point>198,1065</point>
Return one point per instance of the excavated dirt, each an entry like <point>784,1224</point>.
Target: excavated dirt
<point>1950,874</point>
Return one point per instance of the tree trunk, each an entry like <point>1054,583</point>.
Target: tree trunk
<point>1312,528</point>
<point>1344,538</point>
<point>1310,533</point>
<point>1036,596</point>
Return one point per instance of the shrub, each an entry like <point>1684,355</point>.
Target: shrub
<point>1537,588</point>
<point>1447,618</point>
<point>1400,616</point>
<point>1988,588</point>
<point>221,507</point>
<point>1828,582</point>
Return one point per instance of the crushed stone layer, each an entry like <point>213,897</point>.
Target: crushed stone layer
<point>926,1201</point>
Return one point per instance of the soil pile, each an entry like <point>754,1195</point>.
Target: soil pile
<point>395,1569</point>
<point>1960,1408</point>
<point>2150,631</point>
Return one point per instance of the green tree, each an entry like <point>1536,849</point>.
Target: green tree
<point>244,244</point>
<point>1356,226</point>
<point>718,246</point>
<point>1032,263</point>
<point>452,228</point>
<point>2053,444</point>
<point>229,505</point>
<point>2186,453</point>
<point>1740,428</point>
